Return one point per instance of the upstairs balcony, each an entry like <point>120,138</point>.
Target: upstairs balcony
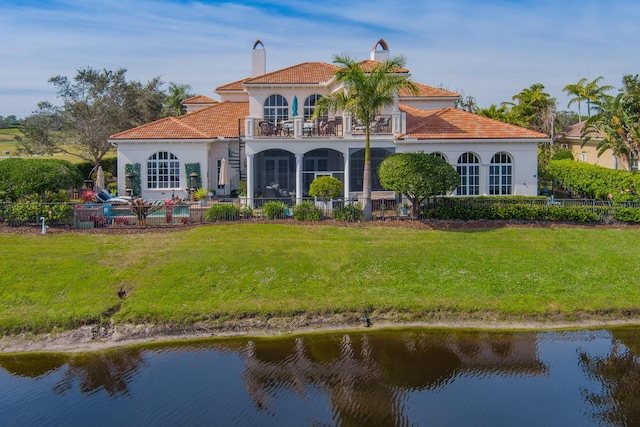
<point>334,127</point>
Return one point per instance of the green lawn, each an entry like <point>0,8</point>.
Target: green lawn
<point>246,269</point>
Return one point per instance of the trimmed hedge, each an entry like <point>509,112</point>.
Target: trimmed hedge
<point>595,182</point>
<point>515,212</point>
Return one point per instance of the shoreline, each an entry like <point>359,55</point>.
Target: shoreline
<point>89,339</point>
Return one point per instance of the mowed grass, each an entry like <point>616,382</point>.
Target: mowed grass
<point>8,146</point>
<point>63,280</point>
<point>7,141</point>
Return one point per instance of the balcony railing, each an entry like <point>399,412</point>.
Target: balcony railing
<point>317,128</point>
<point>380,125</point>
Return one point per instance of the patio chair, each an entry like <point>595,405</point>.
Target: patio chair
<point>266,128</point>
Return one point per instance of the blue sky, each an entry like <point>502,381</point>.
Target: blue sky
<point>490,49</point>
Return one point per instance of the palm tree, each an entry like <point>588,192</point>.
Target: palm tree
<point>588,91</point>
<point>595,94</point>
<point>173,102</point>
<point>618,119</point>
<point>579,90</point>
<point>365,94</point>
<point>535,108</point>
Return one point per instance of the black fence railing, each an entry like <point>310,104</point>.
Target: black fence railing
<point>108,215</point>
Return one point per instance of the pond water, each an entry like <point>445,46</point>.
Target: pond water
<point>395,377</point>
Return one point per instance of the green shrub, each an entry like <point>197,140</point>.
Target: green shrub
<point>562,155</point>
<point>246,212</point>
<point>24,177</point>
<point>307,211</point>
<point>325,187</point>
<point>349,212</point>
<point>482,209</point>
<point>109,166</point>
<point>627,215</point>
<point>112,187</point>
<point>274,210</point>
<point>223,212</point>
<point>595,182</point>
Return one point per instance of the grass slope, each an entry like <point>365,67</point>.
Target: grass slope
<point>63,280</point>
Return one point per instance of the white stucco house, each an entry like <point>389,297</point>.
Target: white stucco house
<point>261,128</point>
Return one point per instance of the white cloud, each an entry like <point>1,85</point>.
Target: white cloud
<point>490,50</point>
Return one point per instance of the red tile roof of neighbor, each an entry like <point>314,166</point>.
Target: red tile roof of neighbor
<point>424,90</point>
<point>575,131</point>
<point>199,99</point>
<point>218,120</point>
<point>451,123</point>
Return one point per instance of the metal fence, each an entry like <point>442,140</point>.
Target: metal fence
<point>107,215</point>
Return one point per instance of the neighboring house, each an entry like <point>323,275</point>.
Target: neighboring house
<point>261,128</point>
<point>571,139</point>
<point>197,103</point>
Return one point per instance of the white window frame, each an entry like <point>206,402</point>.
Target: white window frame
<point>468,167</point>
<point>163,171</point>
<point>501,174</point>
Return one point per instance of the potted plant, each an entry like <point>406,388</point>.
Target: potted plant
<point>200,194</point>
<point>404,209</point>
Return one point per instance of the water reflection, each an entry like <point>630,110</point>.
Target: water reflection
<point>110,371</point>
<point>400,377</point>
<point>618,402</point>
<point>367,376</point>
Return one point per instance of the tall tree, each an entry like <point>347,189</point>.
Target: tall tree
<point>618,119</point>
<point>595,94</point>
<point>96,104</point>
<point>364,96</point>
<point>579,93</point>
<point>501,113</point>
<point>535,108</point>
<point>175,95</point>
<point>418,176</point>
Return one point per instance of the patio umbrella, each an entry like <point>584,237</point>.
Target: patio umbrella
<point>99,179</point>
<point>294,107</point>
<point>224,178</point>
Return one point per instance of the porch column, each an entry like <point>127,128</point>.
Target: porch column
<point>250,180</point>
<point>484,179</point>
<point>299,189</point>
<point>347,170</point>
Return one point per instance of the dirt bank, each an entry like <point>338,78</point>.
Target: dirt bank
<point>97,338</point>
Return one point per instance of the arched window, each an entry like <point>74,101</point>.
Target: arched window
<point>276,109</point>
<point>163,171</point>
<point>501,174</point>
<point>310,105</point>
<point>439,155</point>
<point>468,168</point>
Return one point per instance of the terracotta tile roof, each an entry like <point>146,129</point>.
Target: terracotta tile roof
<point>451,123</point>
<point>199,99</point>
<point>430,91</point>
<point>218,120</point>
<point>368,64</point>
<point>305,73</point>
<point>575,132</point>
<point>234,86</point>
<point>167,128</point>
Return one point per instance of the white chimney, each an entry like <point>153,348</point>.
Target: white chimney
<point>258,60</point>
<point>380,51</point>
